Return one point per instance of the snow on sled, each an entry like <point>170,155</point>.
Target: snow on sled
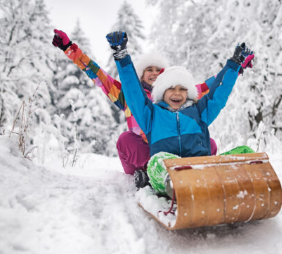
<point>214,190</point>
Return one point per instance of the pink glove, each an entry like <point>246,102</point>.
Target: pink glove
<point>61,40</point>
<point>247,63</point>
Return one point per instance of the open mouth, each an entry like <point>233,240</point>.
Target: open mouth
<point>153,79</point>
<point>176,100</point>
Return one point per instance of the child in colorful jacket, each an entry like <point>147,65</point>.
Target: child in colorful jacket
<point>132,145</point>
<point>177,122</point>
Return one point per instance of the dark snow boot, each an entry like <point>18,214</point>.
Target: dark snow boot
<point>141,178</point>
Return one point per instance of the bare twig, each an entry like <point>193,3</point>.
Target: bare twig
<point>30,150</point>
<point>24,116</point>
<point>74,158</point>
<point>16,120</point>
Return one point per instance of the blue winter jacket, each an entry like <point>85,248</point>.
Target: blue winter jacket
<point>184,132</point>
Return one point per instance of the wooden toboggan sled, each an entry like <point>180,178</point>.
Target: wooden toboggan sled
<point>221,189</point>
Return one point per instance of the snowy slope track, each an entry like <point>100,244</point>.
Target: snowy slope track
<point>59,211</point>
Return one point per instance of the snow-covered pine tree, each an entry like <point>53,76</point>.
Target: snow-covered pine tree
<point>91,119</point>
<point>24,56</point>
<point>182,29</point>
<point>129,22</point>
<point>201,35</point>
<point>79,37</point>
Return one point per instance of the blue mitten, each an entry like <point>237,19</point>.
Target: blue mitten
<point>118,41</point>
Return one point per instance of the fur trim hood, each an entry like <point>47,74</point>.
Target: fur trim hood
<point>173,76</point>
<point>150,59</point>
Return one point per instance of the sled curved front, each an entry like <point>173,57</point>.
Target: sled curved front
<point>224,189</point>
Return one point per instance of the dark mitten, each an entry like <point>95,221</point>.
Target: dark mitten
<point>61,40</point>
<point>118,41</point>
<point>240,53</point>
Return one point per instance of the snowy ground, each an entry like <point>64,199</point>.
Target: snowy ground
<point>92,209</point>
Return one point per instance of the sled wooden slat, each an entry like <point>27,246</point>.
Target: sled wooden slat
<point>205,160</point>
<point>199,190</point>
<point>231,190</point>
<point>246,195</point>
<point>261,191</point>
<point>213,190</point>
<point>275,195</point>
<point>215,198</point>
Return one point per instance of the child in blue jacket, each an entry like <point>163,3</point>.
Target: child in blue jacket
<point>176,122</point>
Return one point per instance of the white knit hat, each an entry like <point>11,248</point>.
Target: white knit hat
<point>150,59</point>
<point>173,76</point>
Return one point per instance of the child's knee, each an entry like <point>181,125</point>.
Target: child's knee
<point>213,147</point>
<point>123,139</point>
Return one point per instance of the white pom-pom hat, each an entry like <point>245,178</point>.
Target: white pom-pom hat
<point>171,77</point>
<point>150,59</point>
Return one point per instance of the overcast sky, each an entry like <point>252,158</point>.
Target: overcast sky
<point>96,19</point>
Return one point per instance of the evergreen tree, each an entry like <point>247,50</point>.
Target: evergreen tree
<point>87,115</point>
<point>79,37</point>
<point>129,22</point>
<point>201,35</point>
<point>24,56</point>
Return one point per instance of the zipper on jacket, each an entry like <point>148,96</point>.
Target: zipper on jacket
<point>178,132</point>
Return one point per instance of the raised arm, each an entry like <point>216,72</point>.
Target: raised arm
<point>212,103</point>
<point>137,101</point>
<point>110,86</point>
<point>204,88</point>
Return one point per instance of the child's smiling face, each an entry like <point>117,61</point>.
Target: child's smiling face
<point>176,96</point>
<point>150,74</point>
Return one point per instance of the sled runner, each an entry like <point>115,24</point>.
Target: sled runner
<point>215,190</point>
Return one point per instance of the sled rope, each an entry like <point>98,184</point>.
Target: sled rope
<point>172,203</point>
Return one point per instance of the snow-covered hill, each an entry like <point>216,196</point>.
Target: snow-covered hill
<point>92,209</point>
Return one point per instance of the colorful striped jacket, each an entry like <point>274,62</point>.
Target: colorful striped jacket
<point>112,88</point>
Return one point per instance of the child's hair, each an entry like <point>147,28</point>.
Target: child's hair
<point>173,76</point>
<point>150,59</point>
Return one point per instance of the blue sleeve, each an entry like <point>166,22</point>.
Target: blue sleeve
<point>212,103</point>
<point>210,81</point>
<point>135,96</point>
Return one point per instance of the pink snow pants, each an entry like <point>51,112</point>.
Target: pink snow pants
<point>213,147</point>
<point>134,152</point>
